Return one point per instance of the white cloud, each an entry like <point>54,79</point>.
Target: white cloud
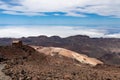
<point>75,14</point>
<point>70,7</point>
<point>63,31</point>
<point>115,35</point>
<point>23,13</point>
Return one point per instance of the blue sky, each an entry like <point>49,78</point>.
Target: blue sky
<point>58,20</point>
<point>95,18</point>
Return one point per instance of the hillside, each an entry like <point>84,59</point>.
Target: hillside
<point>98,48</point>
<point>53,51</point>
<point>27,63</point>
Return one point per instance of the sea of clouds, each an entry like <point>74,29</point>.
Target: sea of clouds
<point>63,31</point>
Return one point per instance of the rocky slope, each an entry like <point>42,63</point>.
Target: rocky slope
<point>94,47</point>
<point>27,63</point>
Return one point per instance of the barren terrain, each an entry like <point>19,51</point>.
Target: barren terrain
<point>25,63</point>
<point>98,48</point>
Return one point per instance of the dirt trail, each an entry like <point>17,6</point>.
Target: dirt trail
<point>2,75</point>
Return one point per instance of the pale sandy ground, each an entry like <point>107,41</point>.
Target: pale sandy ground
<point>68,53</point>
<point>2,75</point>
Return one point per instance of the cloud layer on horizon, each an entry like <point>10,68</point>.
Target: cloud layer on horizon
<point>63,31</point>
<point>78,8</point>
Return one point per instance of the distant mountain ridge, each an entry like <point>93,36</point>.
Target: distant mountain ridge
<point>105,49</point>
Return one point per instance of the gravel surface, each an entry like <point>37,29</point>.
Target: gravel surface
<point>2,75</point>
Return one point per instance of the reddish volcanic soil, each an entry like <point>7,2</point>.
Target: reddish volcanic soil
<point>25,63</point>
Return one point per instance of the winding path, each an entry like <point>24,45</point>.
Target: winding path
<point>2,75</point>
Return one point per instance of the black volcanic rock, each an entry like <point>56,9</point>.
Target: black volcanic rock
<point>114,57</point>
